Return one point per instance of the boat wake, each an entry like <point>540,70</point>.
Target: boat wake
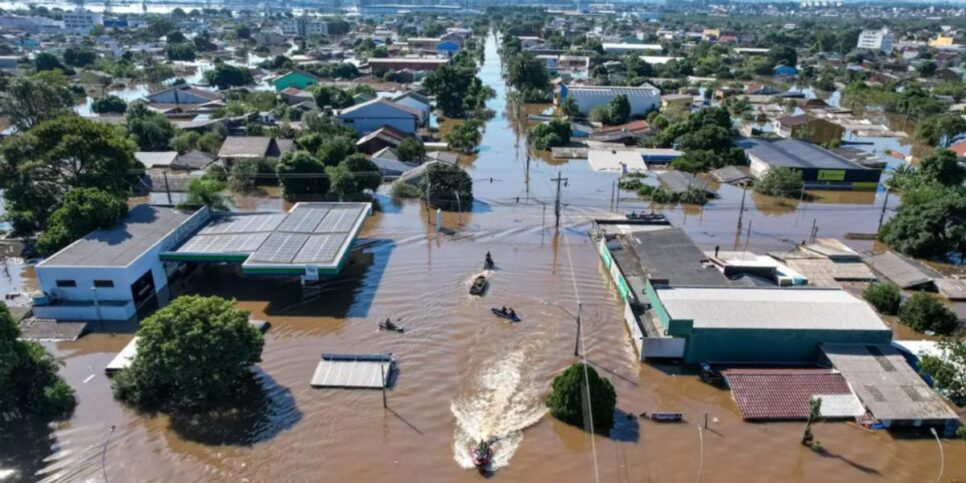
<point>504,404</point>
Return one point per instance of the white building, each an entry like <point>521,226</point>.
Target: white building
<point>304,27</point>
<point>372,115</point>
<point>82,20</point>
<point>642,99</point>
<point>109,273</point>
<point>620,48</point>
<point>881,40</point>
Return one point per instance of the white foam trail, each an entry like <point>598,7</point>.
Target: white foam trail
<point>505,403</point>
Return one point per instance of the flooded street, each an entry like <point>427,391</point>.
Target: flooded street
<point>463,374</point>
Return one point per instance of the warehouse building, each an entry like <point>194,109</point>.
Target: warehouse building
<point>820,168</point>
<point>762,325</point>
<point>110,274</point>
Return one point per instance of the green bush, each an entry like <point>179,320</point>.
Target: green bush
<point>404,190</point>
<point>781,182</point>
<point>566,398</point>
<point>885,297</point>
<point>924,311</point>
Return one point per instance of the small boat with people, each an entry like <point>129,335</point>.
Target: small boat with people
<point>504,313</point>
<point>482,454</point>
<point>479,285</point>
<point>390,326</point>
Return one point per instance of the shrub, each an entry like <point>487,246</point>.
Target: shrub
<point>781,182</point>
<point>885,297</point>
<point>566,398</point>
<point>924,311</point>
<point>405,190</point>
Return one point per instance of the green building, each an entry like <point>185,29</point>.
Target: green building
<point>298,79</point>
<point>762,325</point>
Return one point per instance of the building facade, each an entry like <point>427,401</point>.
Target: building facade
<point>881,40</point>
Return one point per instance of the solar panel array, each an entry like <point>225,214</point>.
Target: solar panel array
<point>309,234</point>
<point>229,243</point>
<point>255,223</point>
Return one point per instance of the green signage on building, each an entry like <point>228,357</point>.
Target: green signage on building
<point>831,175</point>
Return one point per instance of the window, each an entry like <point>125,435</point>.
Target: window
<point>104,283</point>
<point>67,283</point>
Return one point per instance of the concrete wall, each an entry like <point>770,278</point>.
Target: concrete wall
<point>640,104</point>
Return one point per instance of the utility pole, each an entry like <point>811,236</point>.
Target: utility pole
<point>885,203</point>
<point>577,342</point>
<point>429,211</point>
<point>167,188</point>
<point>556,206</point>
<point>814,229</point>
<point>382,370</point>
<point>741,210</point>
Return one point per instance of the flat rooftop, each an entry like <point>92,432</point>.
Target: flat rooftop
<point>886,384</point>
<point>142,228</point>
<point>616,160</point>
<point>794,153</point>
<point>310,234</point>
<point>767,308</point>
<point>669,255</point>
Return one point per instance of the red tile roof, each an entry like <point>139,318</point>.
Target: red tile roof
<point>959,148</point>
<point>781,394</point>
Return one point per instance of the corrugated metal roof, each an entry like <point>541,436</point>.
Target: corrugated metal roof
<point>767,308</point>
<point>363,371</point>
<point>794,153</point>
<point>898,270</point>
<point>782,394</point>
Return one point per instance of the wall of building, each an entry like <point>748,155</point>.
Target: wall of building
<point>766,345</point>
<point>640,104</point>
<point>377,116</point>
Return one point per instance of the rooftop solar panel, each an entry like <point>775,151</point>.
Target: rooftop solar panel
<point>339,220</point>
<point>263,222</point>
<point>303,220</point>
<point>279,248</point>
<point>319,249</point>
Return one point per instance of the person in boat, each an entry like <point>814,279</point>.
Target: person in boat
<point>503,310</point>
<point>388,324</point>
<point>512,314</point>
<point>489,260</point>
<point>481,450</point>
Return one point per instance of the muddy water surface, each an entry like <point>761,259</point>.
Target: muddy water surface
<point>463,374</point>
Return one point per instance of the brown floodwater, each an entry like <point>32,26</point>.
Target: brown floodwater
<point>463,374</point>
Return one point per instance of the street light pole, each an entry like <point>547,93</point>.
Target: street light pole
<point>577,341</point>
<point>701,452</point>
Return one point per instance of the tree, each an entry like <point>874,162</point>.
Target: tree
<point>353,176</point>
<point>929,223</point>
<point>332,96</point>
<point>29,383</point>
<point>450,187</point>
<point>780,182</point>
<point>241,178</point>
<point>567,398</point>
<point>302,174</point>
<point>554,133</point>
<point>208,192</point>
<point>192,354</point>
<point>180,51</point>
<point>47,61</point>
<point>783,55</point>
<point>79,57</point>
<point>411,150</point>
<point>110,104</point>
<point>333,151</point>
<point>82,211</point>
<point>814,416</point>
<point>457,89</point>
<point>885,297</point>
<point>924,311</point>
<point>28,101</point>
<point>936,129</point>
<point>942,167</point>
<point>619,110</point>
<point>38,168</point>
<point>152,131</point>
<point>466,136</point>
<point>225,76</point>
<point>528,73</point>
<point>926,69</point>
<point>243,32</point>
<point>947,370</point>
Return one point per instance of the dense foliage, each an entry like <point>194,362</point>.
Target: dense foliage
<point>547,135</point>
<point>302,175</point>
<point>947,370</point>
<point>192,354</point>
<point>28,101</point>
<point>352,177</point>
<point>448,185</point>
<point>466,136</point>
<point>151,130</point>
<point>885,297</point>
<point>109,105</point>
<point>29,383</point>
<point>780,182</point>
<point>411,150</point>
<point>929,223</point>
<point>924,311</point>
<point>226,75</point>
<point>82,211</point>
<point>566,399</point>
<point>40,166</point>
